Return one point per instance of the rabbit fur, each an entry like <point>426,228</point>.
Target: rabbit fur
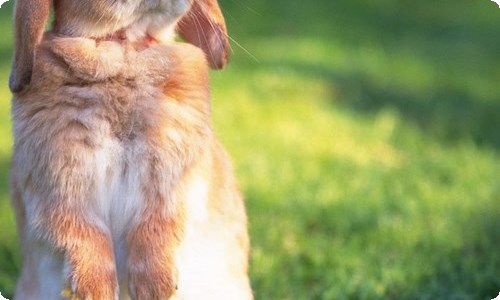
<point>120,188</point>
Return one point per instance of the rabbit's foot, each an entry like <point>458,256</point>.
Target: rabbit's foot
<point>68,294</point>
<point>89,60</point>
<point>151,279</point>
<point>93,280</point>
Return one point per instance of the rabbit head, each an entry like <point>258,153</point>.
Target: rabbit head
<point>199,22</point>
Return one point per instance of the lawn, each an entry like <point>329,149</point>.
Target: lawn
<point>366,139</point>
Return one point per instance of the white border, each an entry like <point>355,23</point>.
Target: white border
<point>2,2</point>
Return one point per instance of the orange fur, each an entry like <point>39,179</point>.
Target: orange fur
<point>118,180</point>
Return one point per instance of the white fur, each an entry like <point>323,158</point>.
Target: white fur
<point>197,201</point>
<point>48,265</point>
<point>205,270</point>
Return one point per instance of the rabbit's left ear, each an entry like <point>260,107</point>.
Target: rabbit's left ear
<point>30,18</point>
<point>204,26</point>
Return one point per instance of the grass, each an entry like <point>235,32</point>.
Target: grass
<point>365,137</point>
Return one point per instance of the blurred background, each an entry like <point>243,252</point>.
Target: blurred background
<point>366,140</point>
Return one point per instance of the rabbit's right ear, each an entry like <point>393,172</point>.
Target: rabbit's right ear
<point>29,25</point>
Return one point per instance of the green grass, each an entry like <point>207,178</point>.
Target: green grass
<point>366,139</point>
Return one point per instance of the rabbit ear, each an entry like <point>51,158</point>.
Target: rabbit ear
<point>30,18</point>
<point>204,26</point>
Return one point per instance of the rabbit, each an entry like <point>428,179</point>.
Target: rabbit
<point>120,188</point>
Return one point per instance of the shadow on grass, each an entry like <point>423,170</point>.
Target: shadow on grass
<point>462,50</point>
<point>5,21</point>
<point>456,39</point>
<point>471,273</point>
<point>448,114</point>
<point>347,254</point>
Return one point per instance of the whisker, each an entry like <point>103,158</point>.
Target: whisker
<point>202,36</point>
<point>234,19</point>
<point>247,7</point>
<point>244,49</point>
